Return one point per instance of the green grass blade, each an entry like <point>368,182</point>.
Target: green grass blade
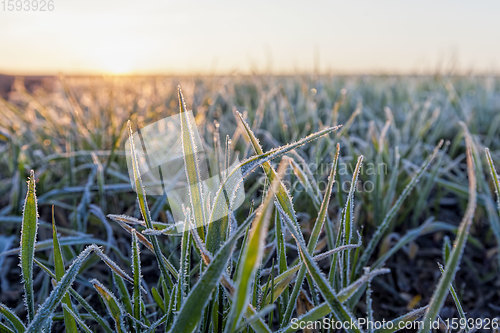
<point>170,308</point>
<point>402,321</point>
<point>136,269</point>
<point>12,318</point>
<point>486,195</point>
<point>198,298</point>
<point>262,159</point>
<point>252,255</point>
<point>340,312</point>
<point>28,240</point>
<point>282,194</point>
<point>494,176</point>
<point>282,264</point>
<point>69,321</point>
<point>123,295</point>
<point>113,266</point>
<point>158,299</point>
<point>157,323</point>
<point>348,223</point>
<point>184,262</point>
<point>146,215</point>
<point>102,323</point>
<point>57,294</point>
<point>453,262</point>
<point>446,256</point>
<point>306,178</point>
<point>313,240</point>
<point>115,309</point>
<point>454,295</point>
<point>258,325</point>
<point>134,221</point>
<point>144,241</point>
<point>382,228</point>
<point>259,316</point>
<point>192,167</point>
<point>283,280</point>
<point>5,329</point>
<point>76,318</point>
<point>343,295</point>
<point>47,244</point>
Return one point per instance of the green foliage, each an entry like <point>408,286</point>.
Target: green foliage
<point>494,176</point>
<point>115,309</point>
<point>455,256</point>
<point>256,268</point>
<point>69,320</point>
<point>28,239</point>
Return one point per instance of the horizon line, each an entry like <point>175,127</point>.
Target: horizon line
<point>436,72</point>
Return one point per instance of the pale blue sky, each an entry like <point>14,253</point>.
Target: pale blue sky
<point>234,36</point>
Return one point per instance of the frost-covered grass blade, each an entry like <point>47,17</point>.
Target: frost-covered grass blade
<point>28,239</point>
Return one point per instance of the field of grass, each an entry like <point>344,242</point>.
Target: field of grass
<point>392,215</point>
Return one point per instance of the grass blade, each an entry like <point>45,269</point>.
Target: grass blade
<point>146,215</point>
<point>494,176</point>
<point>144,241</point>
<point>426,228</point>
<point>458,304</point>
<point>252,255</point>
<point>283,280</point>
<point>123,297</point>
<point>28,240</point>
<point>382,228</point>
<point>454,295</point>
<point>12,318</point>
<point>348,222</point>
<point>115,309</point>
<point>323,309</point>
<point>282,264</point>
<point>5,329</point>
<point>136,269</point>
<point>197,299</point>
<point>282,194</point>
<point>55,297</point>
<point>191,164</point>
<point>402,321</point>
<point>313,240</point>
<point>453,261</point>
<point>76,318</point>
<point>69,321</point>
<point>157,323</point>
<point>258,325</point>
<point>339,311</point>
<point>103,324</point>
<point>183,279</point>
<point>262,159</point>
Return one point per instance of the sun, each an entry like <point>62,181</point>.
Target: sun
<point>116,59</point>
<point>119,67</point>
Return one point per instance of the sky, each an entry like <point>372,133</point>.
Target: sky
<point>220,37</point>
